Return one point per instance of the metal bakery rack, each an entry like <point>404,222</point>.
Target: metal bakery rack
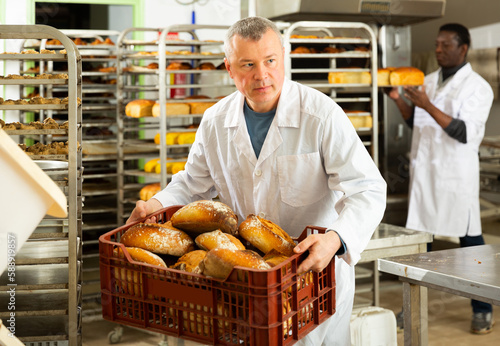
<point>353,48</point>
<point>99,188</point>
<point>48,267</point>
<point>139,78</point>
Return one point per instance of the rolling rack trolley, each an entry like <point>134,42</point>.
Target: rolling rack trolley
<point>48,267</point>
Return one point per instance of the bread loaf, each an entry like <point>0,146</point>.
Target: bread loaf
<point>190,262</point>
<point>265,235</point>
<point>140,255</point>
<point>205,216</point>
<point>139,108</point>
<point>274,257</point>
<point>199,107</point>
<point>149,191</point>
<point>218,263</point>
<point>350,77</point>
<point>383,76</point>
<point>172,109</point>
<point>406,76</point>
<point>162,239</point>
<point>217,239</point>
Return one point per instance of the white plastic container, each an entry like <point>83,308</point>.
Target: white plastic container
<point>27,194</point>
<point>373,326</point>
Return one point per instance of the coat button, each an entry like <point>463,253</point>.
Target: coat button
<point>258,172</point>
<point>262,215</point>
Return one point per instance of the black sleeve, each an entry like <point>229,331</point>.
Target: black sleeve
<point>457,130</point>
<point>409,121</point>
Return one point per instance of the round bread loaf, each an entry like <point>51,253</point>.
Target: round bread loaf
<point>157,238</point>
<point>149,191</point>
<point>218,239</point>
<point>140,255</point>
<point>190,262</point>
<point>265,235</point>
<point>205,216</point>
<point>218,263</point>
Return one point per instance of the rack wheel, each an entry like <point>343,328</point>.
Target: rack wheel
<point>115,336</point>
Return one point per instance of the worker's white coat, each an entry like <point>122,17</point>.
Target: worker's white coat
<point>444,173</point>
<point>312,170</point>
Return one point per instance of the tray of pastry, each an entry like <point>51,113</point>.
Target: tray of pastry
<point>27,56</point>
<point>173,43</point>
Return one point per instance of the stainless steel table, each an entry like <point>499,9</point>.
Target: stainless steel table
<point>390,240</point>
<point>472,272</point>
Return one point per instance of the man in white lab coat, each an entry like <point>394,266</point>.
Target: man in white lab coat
<point>448,120</point>
<point>287,153</point>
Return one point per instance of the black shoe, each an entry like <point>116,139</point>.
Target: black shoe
<point>482,323</point>
<point>400,321</point>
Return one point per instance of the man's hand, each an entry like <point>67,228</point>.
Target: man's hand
<point>418,97</point>
<point>143,209</point>
<point>322,248</point>
<point>393,93</point>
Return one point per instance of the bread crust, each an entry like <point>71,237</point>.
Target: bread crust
<point>218,263</point>
<point>265,235</point>
<point>139,108</point>
<point>190,262</point>
<point>205,216</point>
<point>140,255</point>
<point>218,239</point>
<point>407,76</point>
<point>162,239</point>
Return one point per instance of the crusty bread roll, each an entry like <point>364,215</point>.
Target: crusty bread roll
<point>218,263</point>
<point>274,257</point>
<point>350,77</point>
<point>179,66</point>
<point>190,262</point>
<point>265,235</point>
<point>301,50</point>
<point>140,255</point>
<point>406,76</point>
<point>172,109</point>
<point>217,239</point>
<point>130,281</point>
<point>149,191</point>
<point>158,238</point>
<point>139,108</point>
<point>206,66</point>
<point>205,216</point>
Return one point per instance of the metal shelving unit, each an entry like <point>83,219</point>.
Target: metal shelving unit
<point>136,81</point>
<point>312,69</point>
<point>48,267</point>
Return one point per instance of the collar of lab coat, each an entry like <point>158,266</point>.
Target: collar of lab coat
<point>287,112</point>
<point>454,81</point>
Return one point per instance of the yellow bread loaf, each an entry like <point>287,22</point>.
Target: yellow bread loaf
<point>139,108</point>
<point>218,263</point>
<point>205,216</point>
<point>218,239</point>
<point>172,109</point>
<point>162,239</point>
<point>406,76</point>
<point>350,77</point>
<point>265,235</point>
<point>383,76</point>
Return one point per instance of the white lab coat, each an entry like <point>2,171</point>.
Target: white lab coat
<point>444,173</point>
<point>312,170</point>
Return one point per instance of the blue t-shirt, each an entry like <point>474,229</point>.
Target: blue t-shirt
<point>258,125</point>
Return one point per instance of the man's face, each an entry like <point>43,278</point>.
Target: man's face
<point>448,52</point>
<point>257,70</point>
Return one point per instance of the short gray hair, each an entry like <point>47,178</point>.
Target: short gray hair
<point>252,28</point>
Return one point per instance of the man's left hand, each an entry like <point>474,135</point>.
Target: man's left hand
<point>417,96</point>
<point>322,248</point>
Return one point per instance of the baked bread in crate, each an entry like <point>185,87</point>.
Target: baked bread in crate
<point>269,305</point>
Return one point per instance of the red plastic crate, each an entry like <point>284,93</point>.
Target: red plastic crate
<point>249,307</point>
